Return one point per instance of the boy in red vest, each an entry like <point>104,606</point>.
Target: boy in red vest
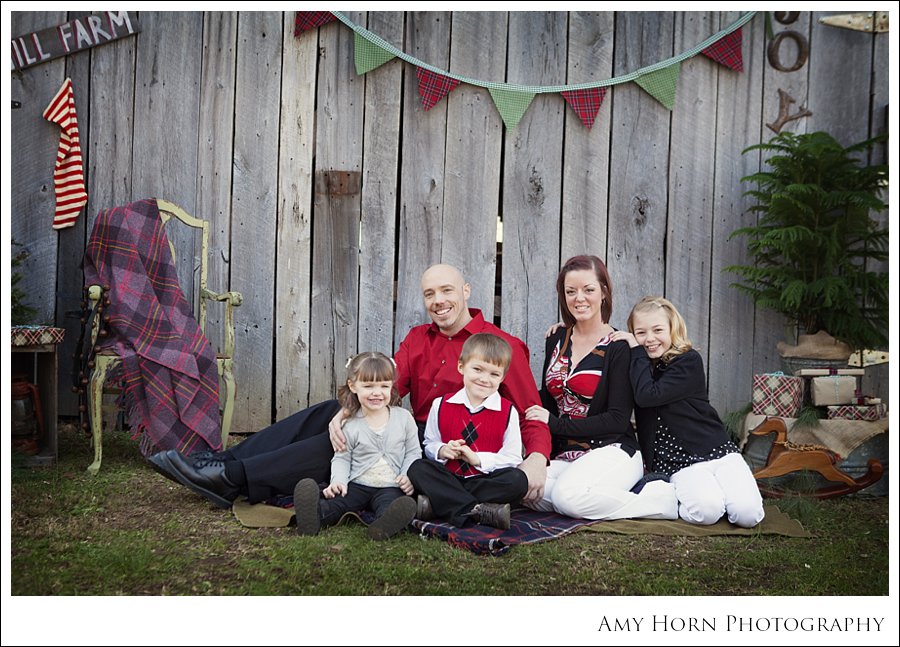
<point>472,444</point>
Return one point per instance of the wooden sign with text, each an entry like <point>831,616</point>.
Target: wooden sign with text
<point>73,36</point>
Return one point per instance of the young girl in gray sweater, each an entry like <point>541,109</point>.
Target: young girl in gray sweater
<point>382,442</point>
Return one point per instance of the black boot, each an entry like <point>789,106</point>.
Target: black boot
<point>306,507</point>
<point>204,476</point>
<point>398,515</point>
<point>160,463</point>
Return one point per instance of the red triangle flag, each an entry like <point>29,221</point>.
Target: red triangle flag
<point>727,51</point>
<point>311,19</point>
<point>585,103</point>
<point>433,86</point>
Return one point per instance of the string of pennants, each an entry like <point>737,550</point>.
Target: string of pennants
<point>512,100</point>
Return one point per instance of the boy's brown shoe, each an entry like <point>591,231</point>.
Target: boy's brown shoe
<point>423,508</point>
<point>495,515</point>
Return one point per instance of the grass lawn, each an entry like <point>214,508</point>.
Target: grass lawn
<point>128,531</point>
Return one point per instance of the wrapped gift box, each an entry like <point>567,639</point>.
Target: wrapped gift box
<point>833,389</point>
<point>869,412</point>
<point>777,394</point>
<point>36,335</point>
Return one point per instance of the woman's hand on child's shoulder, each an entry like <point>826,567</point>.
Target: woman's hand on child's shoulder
<point>537,412</point>
<point>552,329</point>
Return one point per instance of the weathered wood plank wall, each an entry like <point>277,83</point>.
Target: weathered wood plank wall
<point>691,175</point>
<point>31,175</point>
<point>638,168</point>
<point>586,159</point>
<point>216,141</point>
<point>294,240</point>
<point>422,180</point>
<point>473,154</point>
<point>68,284</point>
<point>876,378</point>
<point>532,187</point>
<point>379,190</point>
<point>254,192</point>
<point>738,114</point>
<point>237,120</point>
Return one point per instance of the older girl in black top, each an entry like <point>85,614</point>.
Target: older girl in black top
<point>680,433</point>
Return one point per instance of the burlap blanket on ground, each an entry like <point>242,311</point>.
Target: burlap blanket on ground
<point>529,527</point>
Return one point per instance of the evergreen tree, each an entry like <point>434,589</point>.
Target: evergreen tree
<point>815,240</point>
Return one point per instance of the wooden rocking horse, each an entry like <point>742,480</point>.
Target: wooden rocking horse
<point>786,457</point>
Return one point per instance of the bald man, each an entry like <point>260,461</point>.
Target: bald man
<point>272,461</point>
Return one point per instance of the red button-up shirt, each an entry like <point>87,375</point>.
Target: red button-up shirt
<point>427,368</point>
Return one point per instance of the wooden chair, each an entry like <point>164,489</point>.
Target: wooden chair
<point>786,457</point>
<point>106,359</point>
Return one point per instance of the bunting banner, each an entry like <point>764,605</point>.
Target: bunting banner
<point>305,20</point>
<point>659,80</point>
<point>367,55</point>
<point>511,104</point>
<point>661,84</point>
<point>433,86</point>
<point>586,103</point>
<point>727,51</point>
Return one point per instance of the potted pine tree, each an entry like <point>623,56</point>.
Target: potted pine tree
<point>814,248</point>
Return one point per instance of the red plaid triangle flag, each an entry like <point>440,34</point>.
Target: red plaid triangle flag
<point>311,19</point>
<point>727,50</point>
<point>586,103</point>
<point>433,86</point>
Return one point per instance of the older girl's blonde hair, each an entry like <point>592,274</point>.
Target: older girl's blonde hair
<point>677,328</point>
<point>367,367</point>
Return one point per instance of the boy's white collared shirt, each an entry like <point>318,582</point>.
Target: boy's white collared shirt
<point>491,402</point>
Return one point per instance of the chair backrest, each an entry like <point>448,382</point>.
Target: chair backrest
<point>169,210</point>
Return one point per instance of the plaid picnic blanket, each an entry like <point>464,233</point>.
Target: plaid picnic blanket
<point>171,383</point>
<point>525,527</point>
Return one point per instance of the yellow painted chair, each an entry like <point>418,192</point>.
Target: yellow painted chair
<point>106,359</point>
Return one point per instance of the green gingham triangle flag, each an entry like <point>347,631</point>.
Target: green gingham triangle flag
<point>511,104</point>
<point>661,84</point>
<point>368,55</point>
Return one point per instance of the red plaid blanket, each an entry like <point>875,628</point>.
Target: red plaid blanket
<point>171,382</point>
<point>525,527</point>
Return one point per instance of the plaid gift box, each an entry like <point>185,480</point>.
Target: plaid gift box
<point>36,335</point>
<point>869,412</point>
<point>833,389</point>
<point>777,394</point>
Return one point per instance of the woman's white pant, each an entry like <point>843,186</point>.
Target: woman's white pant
<point>598,486</point>
<point>710,489</point>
